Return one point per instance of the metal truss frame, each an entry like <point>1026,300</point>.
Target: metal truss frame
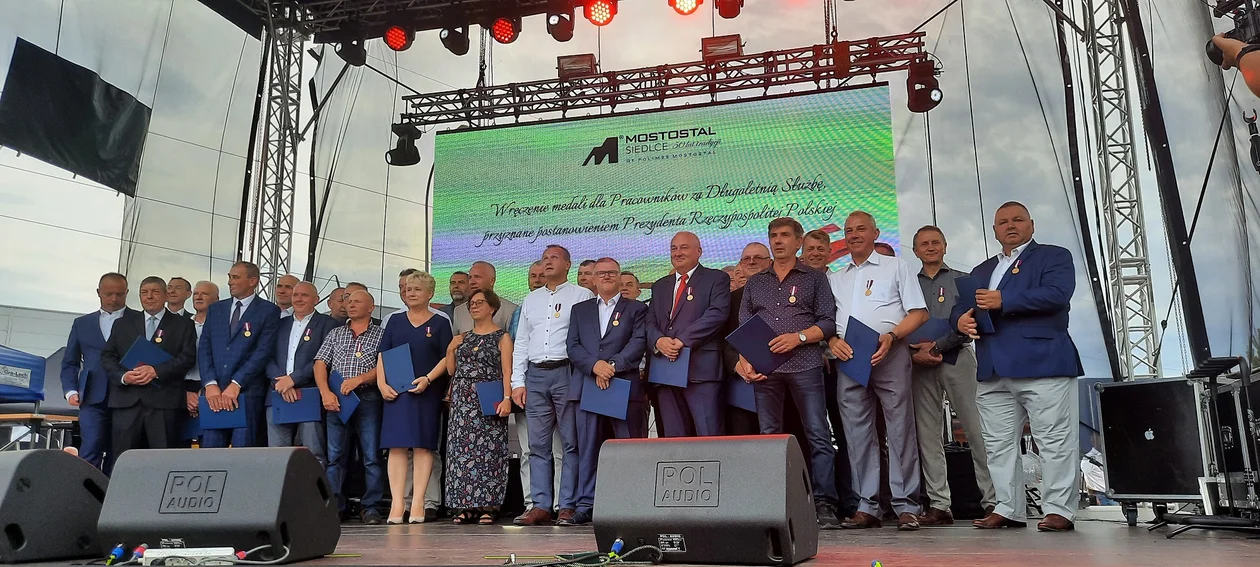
<point>271,239</point>
<point>821,65</point>
<point>1128,259</point>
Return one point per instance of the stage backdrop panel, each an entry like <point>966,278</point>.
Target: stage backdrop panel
<point>622,186</point>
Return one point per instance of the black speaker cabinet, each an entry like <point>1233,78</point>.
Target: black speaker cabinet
<point>238,498</point>
<point>1151,440</point>
<point>49,506</point>
<point>719,500</point>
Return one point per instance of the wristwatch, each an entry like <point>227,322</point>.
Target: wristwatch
<point>801,335</point>
<point>934,351</point>
<point>894,336</point>
<point>613,364</point>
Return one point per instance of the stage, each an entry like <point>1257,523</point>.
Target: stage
<point>1105,541</point>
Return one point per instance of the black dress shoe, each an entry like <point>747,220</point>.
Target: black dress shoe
<point>579,518</point>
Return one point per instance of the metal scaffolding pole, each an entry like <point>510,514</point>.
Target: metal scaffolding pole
<point>274,193</point>
<point>1127,254</point>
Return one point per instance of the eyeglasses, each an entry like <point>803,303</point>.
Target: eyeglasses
<point>477,303</point>
<point>607,274</point>
<point>750,259</point>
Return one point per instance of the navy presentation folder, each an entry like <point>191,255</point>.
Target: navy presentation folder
<point>930,331</point>
<point>752,340</point>
<point>864,341</point>
<point>308,407</point>
<point>399,373</point>
<point>234,419</point>
<point>489,394</point>
<point>143,352</point>
<point>611,402</point>
<point>348,403</point>
<point>967,288</point>
<point>670,372</point>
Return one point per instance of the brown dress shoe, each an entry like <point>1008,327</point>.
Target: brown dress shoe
<point>533,517</point>
<point>1055,523</point>
<point>934,517</point>
<point>907,522</point>
<point>994,521</point>
<point>565,516</point>
<point>861,521</point>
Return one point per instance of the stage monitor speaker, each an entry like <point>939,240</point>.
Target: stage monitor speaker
<point>1152,443</point>
<point>720,500</point>
<point>49,506</point>
<point>245,499</point>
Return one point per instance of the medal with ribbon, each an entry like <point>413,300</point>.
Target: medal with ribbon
<point>247,333</point>
<point>558,310</point>
<point>307,335</point>
<point>358,346</point>
<point>616,316</point>
<point>792,295</point>
<point>940,297</point>
<point>1015,270</point>
<point>689,296</point>
<point>869,283</point>
<point>158,338</point>
<point>428,332</point>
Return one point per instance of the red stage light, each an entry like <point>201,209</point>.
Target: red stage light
<point>600,12</point>
<point>685,7</point>
<point>505,30</point>
<point>399,38</point>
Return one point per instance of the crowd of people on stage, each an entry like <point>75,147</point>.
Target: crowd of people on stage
<point>1007,361</point>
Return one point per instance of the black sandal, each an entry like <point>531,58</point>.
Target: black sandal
<point>487,519</point>
<point>465,517</point>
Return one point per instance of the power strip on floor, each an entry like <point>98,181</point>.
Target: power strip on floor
<point>190,556</point>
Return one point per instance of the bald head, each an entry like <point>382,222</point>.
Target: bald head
<point>359,305</point>
<point>284,290</point>
<point>685,251</point>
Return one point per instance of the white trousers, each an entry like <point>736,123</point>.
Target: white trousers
<point>1050,407</point>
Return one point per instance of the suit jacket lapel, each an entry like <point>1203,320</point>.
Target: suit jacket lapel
<point>1023,257</point>
<point>621,306</point>
<point>96,328</point>
<point>682,298</point>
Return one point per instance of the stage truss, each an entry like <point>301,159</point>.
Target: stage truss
<point>822,66</point>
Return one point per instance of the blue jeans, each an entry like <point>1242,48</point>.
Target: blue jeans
<point>366,424</point>
<point>809,392</point>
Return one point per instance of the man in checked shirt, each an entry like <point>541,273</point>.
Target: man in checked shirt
<point>796,301</point>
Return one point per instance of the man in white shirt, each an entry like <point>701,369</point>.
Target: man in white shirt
<point>284,294</point>
<point>882,293</point>
<point>83,379</point>
<point>481,276</point>
<point>540,384</point>
<point>178,290</point>
<point>203,295</point>
<point>298,340</point>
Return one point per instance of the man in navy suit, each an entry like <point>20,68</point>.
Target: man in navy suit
<point>83,380</point>
<point>1027,370</point>
<point>689,310</point>
<point>145,401</point>
<point>298,339</point>
<point>607,339</point>
<point>238,339</point>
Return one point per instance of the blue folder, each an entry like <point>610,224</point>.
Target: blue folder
<point>740,394</point>
<point>191,428</point>
<point>752,340</point>
<point>489,394</point>
<point>864,341</point>
<point>143,352</point>
<point>234,419</point>
<point>348,403</point>
<point>399,373</point>
<point>933,329</point>
<point>668,372</point>
<point>308,407</point>
<point>967,288</point>
<point>611,402</point>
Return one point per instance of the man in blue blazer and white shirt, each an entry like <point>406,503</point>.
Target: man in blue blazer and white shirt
<point>298,339</point>
<point>237,340</point>
<point>607,339</point>
<point>689,309</point>
<point>1027,370</point>
<point>83,379</point>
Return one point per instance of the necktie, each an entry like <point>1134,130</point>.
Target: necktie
<point>682,288</point>
<point>236,316</point>
<point>151,327</point>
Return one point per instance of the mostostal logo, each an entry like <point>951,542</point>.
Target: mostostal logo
<point>605,151</point>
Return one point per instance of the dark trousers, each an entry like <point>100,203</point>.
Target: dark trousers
<point>807,390</point>
<point>692,411</point>
<point>365,422</point>
<point>143,427</point>
<point>254,434</point>
<point>592,430</point>
<point>95,432</point>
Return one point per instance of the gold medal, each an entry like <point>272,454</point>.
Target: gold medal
<point>868,292</point>
<point>689,298</point>
<point>940,299</point>
<point>306,338</point>
<point>157,340</point>
<point>428,332</point>
<point>1015,271</point>
<point>476,348</point>
<point>246,334</point>
<point>358,355</point>
<point>615,323</point>
<point>792,299</point>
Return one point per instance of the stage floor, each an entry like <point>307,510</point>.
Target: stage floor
<point>1094,543</point>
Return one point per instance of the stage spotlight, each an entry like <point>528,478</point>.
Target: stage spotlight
<point>405,151</point>
<point>352,52</point>
<point>685,7</point>
<point>455,39</point>
<point>923,92</point>
<point>560,25</point>
<point>599,12</point>
<point>505,30</point>
<point>399,38</point>
<point>729,8</point>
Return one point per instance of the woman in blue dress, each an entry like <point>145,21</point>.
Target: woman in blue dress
<point>412,418</point>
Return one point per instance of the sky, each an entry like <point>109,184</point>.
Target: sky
<point>1000,134</point>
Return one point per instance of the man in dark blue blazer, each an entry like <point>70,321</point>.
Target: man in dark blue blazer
<point>607,339</point>
<point>145,401</point>
<point>83,380</point>
<point>689,310</point>
<point>1027,370</point>
<point>298,339</point>
<point>238,339</point>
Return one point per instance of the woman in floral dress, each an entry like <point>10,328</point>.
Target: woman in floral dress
<point>477,444</point>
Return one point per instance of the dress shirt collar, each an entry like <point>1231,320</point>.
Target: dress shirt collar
<point>564,284</point>
<point>157,315</point>
<point>798,266</point>
<point>873,259</point>
<point>691,272</point>
<point>299,319</point>
<point>245,301</point>
<point>105,313</point>
<point>1015,252</point>
<point>610,303</point>
<point>944,268</point>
